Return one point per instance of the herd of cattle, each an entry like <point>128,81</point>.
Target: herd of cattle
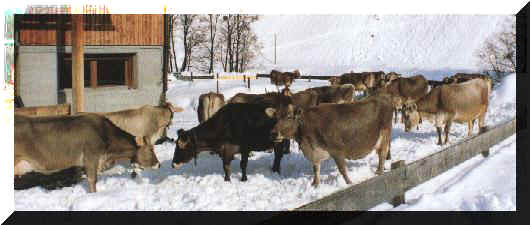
<point>328,121</point>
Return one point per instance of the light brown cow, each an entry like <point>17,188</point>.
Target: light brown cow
<point>146,121</point>
<point>342,131</point>
<point>462,77</point>
<point>209,103</point>
<point>91,141</point>
<point>462,103</point>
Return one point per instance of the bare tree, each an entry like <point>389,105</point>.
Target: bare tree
<point>497,54</point>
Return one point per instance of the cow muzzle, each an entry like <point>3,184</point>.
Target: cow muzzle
<point>176,165</point>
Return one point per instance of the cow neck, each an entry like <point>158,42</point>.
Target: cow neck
<point>428,102</point>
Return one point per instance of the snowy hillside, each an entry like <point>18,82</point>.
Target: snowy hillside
<point>433,45</point>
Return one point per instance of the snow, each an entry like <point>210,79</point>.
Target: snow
<point>406,44</point>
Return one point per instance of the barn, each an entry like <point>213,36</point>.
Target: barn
<point>121,58</point>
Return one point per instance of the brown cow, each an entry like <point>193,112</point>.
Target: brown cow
<point>50,144</point>
<point>462,103</point>
<point>342,131</point>
<point>286,78</point>
<point>146,121</point>
<point>333,94</point>
<point>405,90</point>
<point>209,103</point>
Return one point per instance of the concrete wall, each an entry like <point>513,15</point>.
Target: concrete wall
<point>39,82</point>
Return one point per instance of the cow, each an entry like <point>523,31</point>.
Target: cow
<point>463,103</point>
<point>235,128</point>
<point>286,78</point>
<point>50,144</point>
<point>405,90</point>
<point>333,94</point>
<point>147,121</point>
<point>209,103</point>
<point>342,131</point>
<point>364,81</point>
<point>274,98</point>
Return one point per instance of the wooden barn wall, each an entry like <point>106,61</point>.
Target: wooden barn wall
<point>129,29</point>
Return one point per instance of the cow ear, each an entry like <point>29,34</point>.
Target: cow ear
<point>270,112</point>
<point>139,141</point>
<point>173,108</point>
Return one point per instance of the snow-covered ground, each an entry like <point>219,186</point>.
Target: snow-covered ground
<point>202,187</point>
<point>435,46</point>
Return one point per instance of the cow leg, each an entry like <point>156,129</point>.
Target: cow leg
<point>91,172</point>
<point>439,131</point>
<point>383,150</point>
<point>286,146</point>
<point>470,127</point>
<point>244,162</point>
<point>481,125</point>
<point>278,155</point>
<point>395,115</point>
<point>341,164</point>
<point>226,167</point>
<point>447,128</point>
<point>316,171</point>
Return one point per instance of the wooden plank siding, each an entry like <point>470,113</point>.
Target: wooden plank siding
<point>129,29</point>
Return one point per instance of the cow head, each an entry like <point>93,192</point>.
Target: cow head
<point>296,74</point>
<point>164,121</point>
<point>289,118</point>
<point>145,156</point>
<point>185,148</point>
<point>334,81</point>
<point>411,116</point>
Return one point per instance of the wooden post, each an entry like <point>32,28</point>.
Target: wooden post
<point>191,76</point>
<point>94,73</point>
<point>248,82</point>
<point>78,64</point>
<point>217,83</point>
<point>244,78</point>
<point>398,199</point>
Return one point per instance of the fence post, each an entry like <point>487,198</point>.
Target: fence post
<point>217,81</point>
<point>191,76</point>
<point>399,199</point>
<point>244,78</point>
<point>309,79</point>
<point>248,82</point>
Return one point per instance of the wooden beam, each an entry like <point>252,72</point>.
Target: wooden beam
<point>78,65</point>
<point>93,74</point>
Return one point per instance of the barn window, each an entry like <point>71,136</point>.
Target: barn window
<point>101,70</point>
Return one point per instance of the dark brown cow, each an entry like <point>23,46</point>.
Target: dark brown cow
<point>342,131</point>
<point>462,103</point>
<point>209,103</point>
<point>235,128</point>
<point>405,90</point>
<point>50,144</point>
<point>286,78</point>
